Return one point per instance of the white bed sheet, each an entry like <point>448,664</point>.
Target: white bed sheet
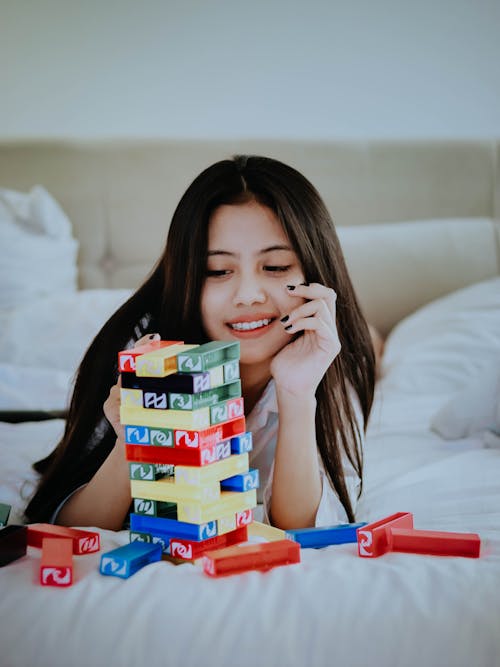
<point>331,609</point>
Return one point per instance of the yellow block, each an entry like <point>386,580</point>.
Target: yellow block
<point>161,362</point>
<point>226,523</point>
<point>269,533</point>
<point>233,465</point>
<point>230,501</point>
<point>190,420</point>
<point>216,376</point>
<point>131,397</point>
<point>166,489</point>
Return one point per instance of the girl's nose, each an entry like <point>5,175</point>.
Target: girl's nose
<point>249,291</point>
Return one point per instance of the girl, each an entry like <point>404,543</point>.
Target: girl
<point>252,255</point>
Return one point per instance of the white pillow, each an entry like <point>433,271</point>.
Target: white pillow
<point>53,332</point>
<point>474,410</point>
<point>38,250</point>
<point>445,345</point>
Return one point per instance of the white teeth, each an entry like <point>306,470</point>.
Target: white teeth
<point>248,326</point>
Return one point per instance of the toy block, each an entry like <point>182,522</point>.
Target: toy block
<point>214,472</point>
<point>189,549</point>
<point>155,508</point>
<point>177,456</point>
<point>168,528</point>
<point>175,419</point>
<point>136,536</point>
<point>56,565</point>
<point>263,531</point>
<point>160,363</point>
<point>169,491</point>
<point>144,435</point>
<point>197,512</point>
<point>207,356</point>
<point>230,409</point>
<point>127,560</point>
<point>131,397</point>
<point>242,482</point>
<point>204,399</point>
<point>231,371</point>
<point>242,443</point>
<point>226,523</point>
<point>189,383</point>
<point>244,518</point>
<point>4,514</point>
<point>127,358</point>
<point>209,436</point>
<point>263,557</point>
<point>84,541</point>
<point>316,538</point>
<point>13,543</point>
<point>150,471</point>
<point>156,400</point>
<point>373,538</point>
<point>435,543</point>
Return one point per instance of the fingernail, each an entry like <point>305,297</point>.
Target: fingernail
<point>152,336</point>
<point>306,284</point>
<point>288,327</point>
<point>290,287</point>
<point>284,319</point>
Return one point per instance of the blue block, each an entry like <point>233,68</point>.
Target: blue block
<point>245,481</point>
<point>167,528</point>
<point>125,561</point>
<point>241,443</point>
<point>315,538</point>
<point>137,435</point>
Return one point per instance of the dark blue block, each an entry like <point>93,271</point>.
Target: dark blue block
<point>315,538</point>
<point>125,561</point>
<point>167,528</point>
<point>245,481</point>
<point>241,443</point>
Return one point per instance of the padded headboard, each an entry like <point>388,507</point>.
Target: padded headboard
<point>120,197</point>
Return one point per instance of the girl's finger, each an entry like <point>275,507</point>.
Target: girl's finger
<point>316,308</point>
<point>318,326</point>
<point>148,338</point>
<point>314,291</point>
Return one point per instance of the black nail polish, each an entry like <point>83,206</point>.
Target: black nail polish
<point>306,284</point>
<point>290,287</point>
<point>288,327</point>
<point>284,319</point>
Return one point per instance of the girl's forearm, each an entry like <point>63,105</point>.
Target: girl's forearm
<point>296,486</point>
<point>105,500</point>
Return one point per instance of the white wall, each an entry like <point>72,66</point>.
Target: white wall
<point>275,68</point>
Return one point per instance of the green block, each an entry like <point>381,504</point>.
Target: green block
<point>204,398</point>
<point>207,356</point>
<point>150,471</point>
<point>4,513</point>
<point>161,437</point>
<point>159,508</point>
<point>135,536</point>
<point>231,371</point>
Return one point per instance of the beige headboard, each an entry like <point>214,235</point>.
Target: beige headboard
<point>120,197</point>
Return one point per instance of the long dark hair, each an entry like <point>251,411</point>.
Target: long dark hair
<point>169,303</point>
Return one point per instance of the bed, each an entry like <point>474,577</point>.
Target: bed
<point>419,222</point>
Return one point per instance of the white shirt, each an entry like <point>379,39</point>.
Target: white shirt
<point>263,423</point>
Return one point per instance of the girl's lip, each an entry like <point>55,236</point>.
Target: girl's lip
<point>251,333</point>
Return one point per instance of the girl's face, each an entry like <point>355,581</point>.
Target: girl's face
<point>250,262</point>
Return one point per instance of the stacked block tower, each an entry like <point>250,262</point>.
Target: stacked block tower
<point>187,446</point>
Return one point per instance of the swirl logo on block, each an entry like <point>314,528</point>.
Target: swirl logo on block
<point>56,576</point>
<point>179,550</point>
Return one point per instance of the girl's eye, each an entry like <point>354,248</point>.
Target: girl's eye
<point>217,273</point>
<point>278,269</point>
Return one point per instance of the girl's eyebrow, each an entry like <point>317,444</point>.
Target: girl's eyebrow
<point>271,248</point>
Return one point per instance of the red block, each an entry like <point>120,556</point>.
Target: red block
<point>171,455</point>
<point>84,541</point>
<point>126,358</point>
<point>209,436</point>
<point>190,549</point>
<point>373,539</point>
<point>234,560</point>
<point>56,566</point>
<point>435,543</point>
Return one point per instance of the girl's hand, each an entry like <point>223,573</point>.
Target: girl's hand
<point>111,406</point>
<point>299,367</point>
